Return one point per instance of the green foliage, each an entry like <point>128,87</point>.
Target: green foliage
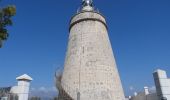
<point>6,14</point>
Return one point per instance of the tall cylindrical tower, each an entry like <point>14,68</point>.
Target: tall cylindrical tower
<point>90,71</point>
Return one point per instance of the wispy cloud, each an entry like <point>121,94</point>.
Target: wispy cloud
<point>152,89</point>
<point>131,88</point>
<point>44,92</point>
<point>42,88</point>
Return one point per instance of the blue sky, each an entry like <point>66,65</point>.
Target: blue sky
<point>139,31</point>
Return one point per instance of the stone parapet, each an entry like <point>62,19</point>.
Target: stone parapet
<point>85,16</point>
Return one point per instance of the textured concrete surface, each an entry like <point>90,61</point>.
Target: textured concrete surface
<point>90,67</point>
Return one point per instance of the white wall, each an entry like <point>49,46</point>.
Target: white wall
<point>22,90</point>
<point>162,84</point>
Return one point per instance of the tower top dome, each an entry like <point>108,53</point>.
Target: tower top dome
<point>87,2</point>
<point>87,5</point>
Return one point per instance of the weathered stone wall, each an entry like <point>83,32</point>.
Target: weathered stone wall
<point>90,67</point>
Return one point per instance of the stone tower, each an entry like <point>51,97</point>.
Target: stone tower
<point>90,71</point>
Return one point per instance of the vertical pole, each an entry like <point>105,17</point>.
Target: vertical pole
<point>78,96</point>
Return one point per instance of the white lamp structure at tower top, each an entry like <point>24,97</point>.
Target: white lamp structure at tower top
<point>87,5</point>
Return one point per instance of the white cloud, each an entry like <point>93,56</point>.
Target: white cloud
<point>33,89</point>
<point>44,92</point>
<point>131,88</point>
<point>152,88</point>
<point>54,89</point>
<point>42,89</point>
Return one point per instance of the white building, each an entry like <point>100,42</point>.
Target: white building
<point>145,95</point>
<point>20,92</point>
<point>162,83</point>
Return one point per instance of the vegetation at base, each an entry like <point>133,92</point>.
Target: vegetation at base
<point>39,98</point>
<point>35,98</point>
<point>6,14</point>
